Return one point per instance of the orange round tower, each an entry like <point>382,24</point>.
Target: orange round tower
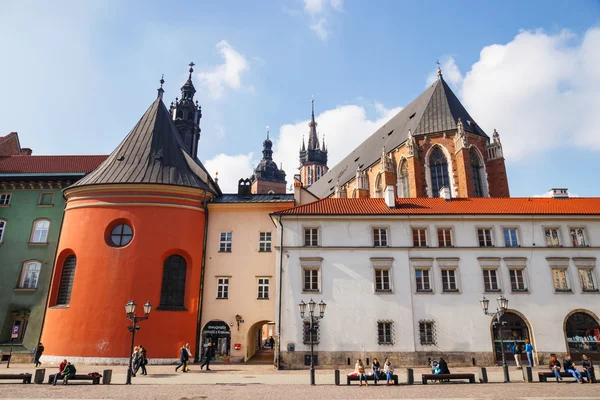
<point>133,229</point>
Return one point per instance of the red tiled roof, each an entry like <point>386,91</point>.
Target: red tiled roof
<point>438,206</point>
<point>49,164</point>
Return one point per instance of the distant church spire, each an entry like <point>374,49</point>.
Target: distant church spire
<point>313,140</point>
<point>160,89</point>
<point>186,114</point>
<point>313,158</point>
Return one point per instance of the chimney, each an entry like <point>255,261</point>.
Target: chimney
<point>445,193</point>
<point>390,200</point>
<point>559,193</point>
<point>297,190</point>
<point>25,151</point>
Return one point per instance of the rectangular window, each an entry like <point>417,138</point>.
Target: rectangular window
<point>510,237</point>
<point>588,284</point>
<point>444,237</point>
<point>2,228</point>
<point>263,288</point>
<point>426,332</point>
<point>490,280</point>
<point>578,237</point>
<point>449,280</point>
<point>382,280</point>
<point>225,242</point>
<point>422,279</point>
<point>307,332</point>
<point>40,231</point>
<point>517,280</point>
<point>264,244</point>
<point>551,235</point>
<point>559,276</point>
<point>46,199</point>
<point>384,332</point>
<point>311,279</point>
<point>485,237</point>
<point>380,237</point>
<point>4,199</point>
<point>222,288</point>
<point>311,236</point>
<point>419,237</point>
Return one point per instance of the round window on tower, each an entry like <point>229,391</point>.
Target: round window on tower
<point>119,234</point>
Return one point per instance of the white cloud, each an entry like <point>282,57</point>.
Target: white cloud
<point>319,28</point>
<point>226,75</point>
<point>318,11</point>
<point>344,127</point>
<point>313,6</point>
<point>338,5</point>
<point>540,91</point>
<point>230,169</point>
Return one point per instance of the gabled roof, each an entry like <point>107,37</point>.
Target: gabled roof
<point>151,153</point>
<point>31,165</point>
<point>437,109</point>
<point>10,145</point>
<point>459,206</point>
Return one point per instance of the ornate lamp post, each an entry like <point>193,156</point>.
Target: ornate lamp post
<point>312,319</point>
<point>130,313</point>
<point>502,307</point>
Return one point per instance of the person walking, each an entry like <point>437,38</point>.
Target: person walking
<point>570,368</point>
<point>272,342</point>
<point>38,353</point>
<point>529,351</point>
<point>208,354</point>
<point>388,370</point>
<point>375,367</point>
<point>183,358</point>
<point>588,368</point>
<point>186,367</point>
<point>141,360</point>
<point>359,368</point>
<point>135,361</point>
<point>514,348</point>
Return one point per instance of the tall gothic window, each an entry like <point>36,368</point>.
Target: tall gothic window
<point>309,175</point>
<point>66,280</point>
<point>476,167</point>
<point>403,183</point>
<point>438,166</point>
<point>173,282</point>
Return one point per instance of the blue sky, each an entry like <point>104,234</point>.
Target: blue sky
<point>77,76</point>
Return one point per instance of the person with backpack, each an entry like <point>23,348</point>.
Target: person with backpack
<point>516,351</point>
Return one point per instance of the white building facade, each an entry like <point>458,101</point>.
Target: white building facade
<point>404,280</point>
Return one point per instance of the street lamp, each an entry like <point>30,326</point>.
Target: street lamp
<point>312,319</point>
<point>130,314</point>
<point>502,307</point>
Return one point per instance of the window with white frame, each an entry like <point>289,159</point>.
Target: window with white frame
<point>380,237</point>
<point>40,230</point>
<point>385,331</point>
<point>578,237</point>
<point>311,237</point>
<point>490,280</point>
<point>222,288</point>
<point>485,237</point>
<point>263,288</point>
<point>225,242</point>
<point>552,237</point>
<point>588,281</point>
<point>517,280</point>
<point>5,199</point>
<point>2,229</point>
<point>427,332</point>
<point>419,237</point>
<point>510,237</point>
<point>560,279</point>
<point>444,237</point>
<point>382,280</point>
<point>422,279</point>
<point>311,279</point>
<point>449,280</point>
<point>30,275</point>
<point>264,242</point>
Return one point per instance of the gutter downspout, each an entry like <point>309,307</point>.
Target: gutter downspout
<point>280,296</point>
<point>201,291</point>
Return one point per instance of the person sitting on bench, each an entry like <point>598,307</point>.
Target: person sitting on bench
<point>68,372</point>
<point>61,367</point>
<point>388,370</point>
<point>554,366</point>
<point>359,368</point>
<point>443,366</point>
<point>375,367</point>
<point>570,368</point>
<point>588,368</point>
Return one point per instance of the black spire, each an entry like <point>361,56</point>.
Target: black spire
<point>160,89</point>
<point>267,145</point>
<point>313,140</point>
<point>187,114</point>
<point>314,152</point>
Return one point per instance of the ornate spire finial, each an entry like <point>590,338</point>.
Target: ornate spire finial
<point>439,71</point>
<point>191,69</point>
<point>160,89</point>
<point>267,132</point>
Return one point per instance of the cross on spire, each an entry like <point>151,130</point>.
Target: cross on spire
<point>191,68</point>
<point>439,71</point>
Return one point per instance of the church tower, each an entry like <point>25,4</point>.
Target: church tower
<point>186,114</point>
<point>267,178</point>
<point>313,159</point>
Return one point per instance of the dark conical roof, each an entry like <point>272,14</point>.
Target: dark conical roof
<point>151,153</point>
<point>437,109</point>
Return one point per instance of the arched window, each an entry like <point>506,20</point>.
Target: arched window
<point>2,228</point>
<point>30,275</point>
<point>438,166</point>
<point>39,233</point>
<point>583,333</point>
<point>476,167</point>
<point>309,176</point>
<point>66,280</point>
<point>173,282</point>
<point>403,182</point>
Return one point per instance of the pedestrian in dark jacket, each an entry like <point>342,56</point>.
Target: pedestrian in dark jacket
<point>141,360</point>
<point>569,366</point>
<point>38,353</point>
<point>588,368</point>
<point>208,354</point>
<point>183,358</point>
<point>443,366</point>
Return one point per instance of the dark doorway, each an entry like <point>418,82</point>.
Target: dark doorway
<point>219,334</point>
<point>583,336</point>
<point>514,329</point>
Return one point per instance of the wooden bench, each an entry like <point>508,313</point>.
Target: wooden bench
<point>95,381</point>
<point>543,376</point>
<point>447,377</point>
<point>371,378</point>
<point>26,378</point>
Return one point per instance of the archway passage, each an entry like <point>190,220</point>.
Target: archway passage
<point>258,343</point>
<point>218,333</point>
<point>582,331</point>
<point>514,329</point>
